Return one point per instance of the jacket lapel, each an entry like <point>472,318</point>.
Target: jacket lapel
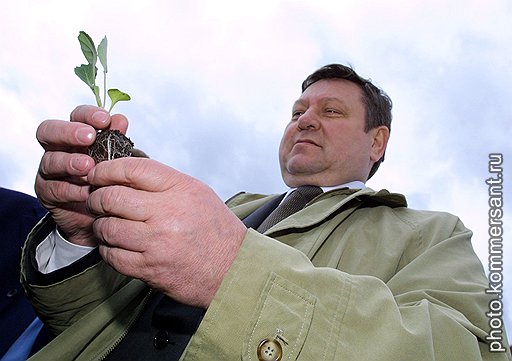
<point>321,208</point>
<point>254,219</point>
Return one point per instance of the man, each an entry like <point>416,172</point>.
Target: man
<point>354,275</point>
<point>23,332</point>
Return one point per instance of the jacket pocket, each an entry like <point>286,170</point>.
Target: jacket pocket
<point>281,321</point>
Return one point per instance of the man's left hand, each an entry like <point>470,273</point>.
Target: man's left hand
<point>163,227</point>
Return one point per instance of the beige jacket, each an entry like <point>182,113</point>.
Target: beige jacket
<point>348,278</point>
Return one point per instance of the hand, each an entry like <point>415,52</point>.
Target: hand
<point>163,227</point>
<point>61,185</point>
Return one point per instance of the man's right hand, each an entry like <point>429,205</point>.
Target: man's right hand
<point>61,183</point>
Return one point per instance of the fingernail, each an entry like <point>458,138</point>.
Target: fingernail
<point>85,135</point>
<point>80,164</point>
<point>100,117</point>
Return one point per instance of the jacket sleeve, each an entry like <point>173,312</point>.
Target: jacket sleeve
<point>432,308</point>
<point>62,297</point>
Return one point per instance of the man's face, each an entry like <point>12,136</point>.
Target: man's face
<point>325,143</point>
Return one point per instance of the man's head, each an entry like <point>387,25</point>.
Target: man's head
<point>339,129</point>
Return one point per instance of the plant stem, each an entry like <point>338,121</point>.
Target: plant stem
<point>98,100</point>
<point>104,88</point>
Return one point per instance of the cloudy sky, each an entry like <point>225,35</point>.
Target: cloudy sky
<point>212,85</point>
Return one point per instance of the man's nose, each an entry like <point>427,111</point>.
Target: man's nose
<point>308,120</point>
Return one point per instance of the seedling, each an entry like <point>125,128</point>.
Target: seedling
<point>88,72</point>
<point>109,144</point>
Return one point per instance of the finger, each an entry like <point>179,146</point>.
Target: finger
<point>123,261</point>
<point>61,164</point>
<point>62,135</point>
<point>96,117</point>
<point>138,173</point>
<point>121,233</point>
<point>119,122</point>
<point>120,201</point>
<point>99,118</point>
<point>57,192</point>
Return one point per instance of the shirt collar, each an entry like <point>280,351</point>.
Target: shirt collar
<point>351,185</point>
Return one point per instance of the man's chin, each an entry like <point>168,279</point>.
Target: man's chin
<point>302,164</point>
<point>299,174</point>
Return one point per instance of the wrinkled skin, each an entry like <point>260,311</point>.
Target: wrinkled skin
<point>150,221</point>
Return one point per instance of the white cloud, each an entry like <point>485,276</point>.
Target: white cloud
<point>19,147</point>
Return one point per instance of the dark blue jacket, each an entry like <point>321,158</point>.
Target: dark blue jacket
<point>19,212</point>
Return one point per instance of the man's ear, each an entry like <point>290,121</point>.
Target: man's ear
<point>380,137</point>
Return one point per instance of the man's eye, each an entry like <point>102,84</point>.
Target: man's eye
<point>332,111</point>
<point>297,113</point>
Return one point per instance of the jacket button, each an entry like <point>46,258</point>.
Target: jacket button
<point>161,340</point>
<point>269,350</point>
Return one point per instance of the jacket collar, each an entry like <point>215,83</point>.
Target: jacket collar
<point>322,207</point>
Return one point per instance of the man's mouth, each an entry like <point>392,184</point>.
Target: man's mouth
<point>306,141</point>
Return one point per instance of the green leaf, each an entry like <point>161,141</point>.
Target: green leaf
<point>87,72</point>
<point>115,96</point>
<point>88,47</point>
<point>96,91</point>
<point>102,54</point>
